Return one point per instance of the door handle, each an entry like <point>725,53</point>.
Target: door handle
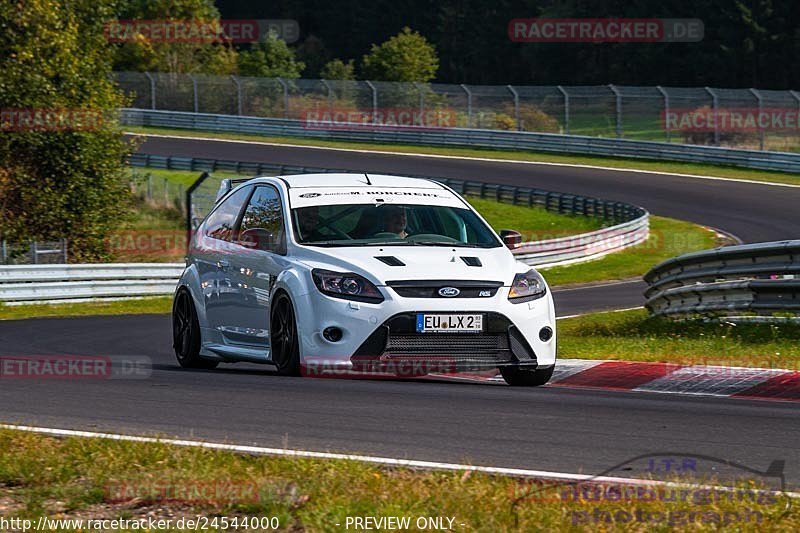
<point>223,264</point>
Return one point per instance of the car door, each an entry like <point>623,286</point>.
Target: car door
<point>213,250</point>
<point>261,238</point>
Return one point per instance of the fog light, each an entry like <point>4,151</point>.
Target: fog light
<point>546,333</point>
<point>332,334</point>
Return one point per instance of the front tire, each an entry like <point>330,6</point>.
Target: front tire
<point>521,377</point>
<point>284,344</point>
<point>186,333</point>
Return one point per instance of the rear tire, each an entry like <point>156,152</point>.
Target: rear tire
<point>186,333</point>
<point>520,377</point>
<point>284,345</point>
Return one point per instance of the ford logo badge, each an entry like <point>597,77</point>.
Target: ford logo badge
<point>449,292</point>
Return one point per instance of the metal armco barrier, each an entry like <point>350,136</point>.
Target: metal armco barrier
<point>36,283</point>
<point>750,282</point>
<point>518,140</point>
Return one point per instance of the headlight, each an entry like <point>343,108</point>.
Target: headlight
<point>346,285</point>
<point>526,287</point>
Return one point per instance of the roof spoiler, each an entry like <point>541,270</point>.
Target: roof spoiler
<point>226,185</point>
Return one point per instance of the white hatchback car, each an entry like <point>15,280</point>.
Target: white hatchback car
<point>359,274</point>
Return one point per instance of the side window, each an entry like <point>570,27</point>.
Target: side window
<point>262,222</point>
<point>220,223</point>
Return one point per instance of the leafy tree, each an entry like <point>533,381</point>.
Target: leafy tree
<point>407,56</point>
<point>145,54</point>
<point>338,70</point>
<point>67,183</point>
<point>271,58</point>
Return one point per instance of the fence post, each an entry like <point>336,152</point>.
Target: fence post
<point>152,90</point>
<point>4,246</point>
<point>166,192</point>
<point>374,100</point>
<point>149,187</point>
<point>34,253</point>
<point>330,94</point>
<point>285,97</point>
<point>194,94</point>
<point>666,111</point>
<point>715,103</point>
<point>516,107</point>
<point>64,249</point>
<point>421,99</point>
<point>755,93</point>
<point>566,108</point>
<point>618,97</point>
<point>469,105</point>
<point>238,94</point>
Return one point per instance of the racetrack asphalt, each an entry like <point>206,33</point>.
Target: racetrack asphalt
<point>551,429</point>
<point>554,429</point>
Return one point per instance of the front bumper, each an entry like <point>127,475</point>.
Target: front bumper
<point>382,337</point>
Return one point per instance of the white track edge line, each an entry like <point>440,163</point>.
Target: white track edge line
<point>466,158</point>
<point>387,461</point>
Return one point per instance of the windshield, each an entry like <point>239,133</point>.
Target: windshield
<point>372,225</point>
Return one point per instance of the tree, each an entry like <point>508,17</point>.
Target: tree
<point>67,181</point>
<point>271,58</point>
<point>407,56</point>
<point>338,70</point>
<point>142,53</point>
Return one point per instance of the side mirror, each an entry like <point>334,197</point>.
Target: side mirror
<point>511,238</point>
<point>260,239</point>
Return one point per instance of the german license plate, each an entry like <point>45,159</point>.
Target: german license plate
<point>449,323</point>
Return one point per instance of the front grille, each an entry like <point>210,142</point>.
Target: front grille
<point>446,343</point>
<point>430,288</point>
<point>396,342</point>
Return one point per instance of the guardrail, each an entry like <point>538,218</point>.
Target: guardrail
<point>630,223</point>
<point>518,140</point>
<point>61,283</point>
<point>750,282</point>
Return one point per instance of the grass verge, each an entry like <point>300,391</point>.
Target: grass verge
<point>668,238</point>
<point>160,304</point>
<point>612,162</point>
<point>101,479</point>
<point>634,336</point>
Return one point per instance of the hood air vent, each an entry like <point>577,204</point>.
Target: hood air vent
<point>472,261</point>
<point>390,260</point>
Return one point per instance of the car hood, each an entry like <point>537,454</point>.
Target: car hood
<point>419,262</point>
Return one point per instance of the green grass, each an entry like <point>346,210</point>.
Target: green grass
<point>622,163</point>
<point>160,304</point>
<point>633,336</point>
<point>71,478</point>
<point>535,223</point>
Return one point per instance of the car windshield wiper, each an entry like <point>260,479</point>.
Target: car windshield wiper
<point>444,243</point>
<point>351,243</point>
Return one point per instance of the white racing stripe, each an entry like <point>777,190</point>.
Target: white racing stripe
<point>466,158</point>
<point>387,461</point>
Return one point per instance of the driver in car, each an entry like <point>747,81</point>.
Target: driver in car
<point>395,220</point>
